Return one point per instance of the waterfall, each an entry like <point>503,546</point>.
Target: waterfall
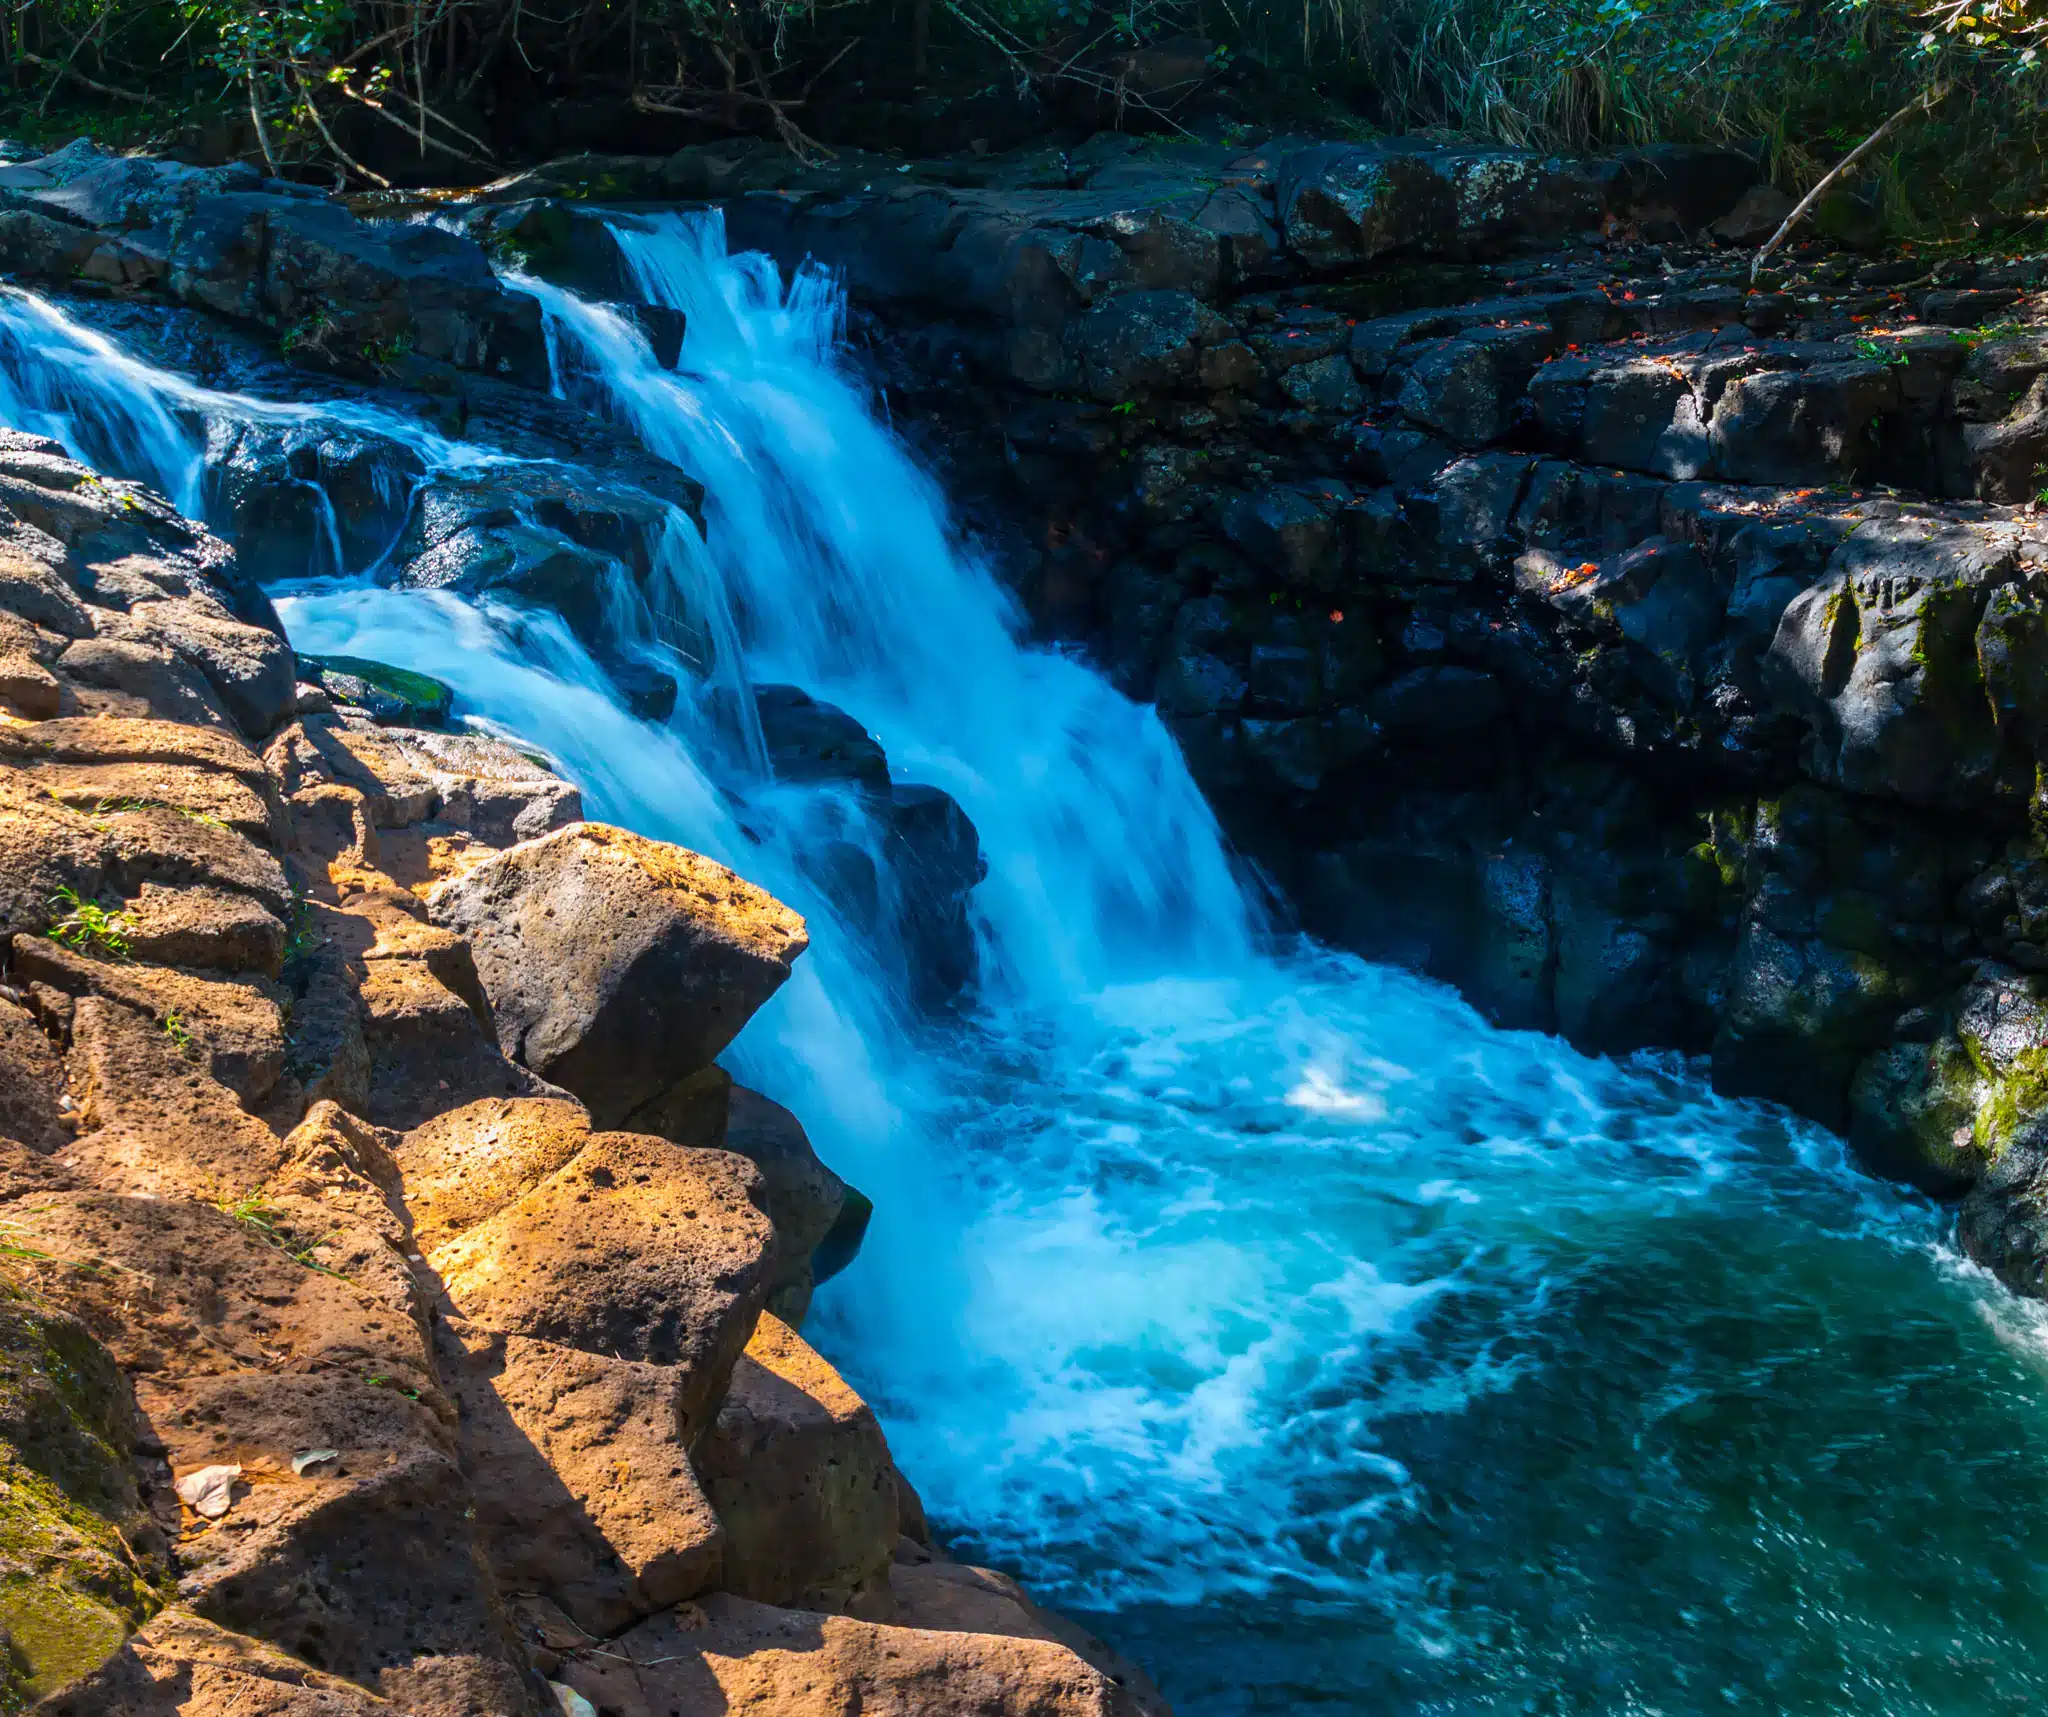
<point>1355,1350</point>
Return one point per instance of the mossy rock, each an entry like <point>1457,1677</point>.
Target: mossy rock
<point>1942,1114</point>
<point>1913,1115</point>
<point>81,1562</point>
<point>391,697</point>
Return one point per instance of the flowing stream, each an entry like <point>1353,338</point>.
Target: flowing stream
<point>1323,1345</point>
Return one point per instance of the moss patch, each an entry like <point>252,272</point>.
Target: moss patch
<point>396,696</point>
<point>73,1582</point>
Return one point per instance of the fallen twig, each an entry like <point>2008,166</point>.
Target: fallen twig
<point>1921,103</point>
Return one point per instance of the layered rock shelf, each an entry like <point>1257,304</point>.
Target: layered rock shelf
<point>399,1309</point>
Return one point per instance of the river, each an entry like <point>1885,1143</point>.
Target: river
<point>1324,1346</point>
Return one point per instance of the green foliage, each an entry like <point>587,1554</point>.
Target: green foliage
<point>176,1030</point>
<point>268,1225</point>
<point>88,927</point>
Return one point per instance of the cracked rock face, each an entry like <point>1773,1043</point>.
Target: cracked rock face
<point>352,1359</point>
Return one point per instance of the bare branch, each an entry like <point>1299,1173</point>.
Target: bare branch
<point>1921,103</point>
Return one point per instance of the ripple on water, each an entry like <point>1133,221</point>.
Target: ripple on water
<point>1335,1349</point>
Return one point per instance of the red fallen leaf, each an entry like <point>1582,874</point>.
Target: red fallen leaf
<point>1336,616</point>
<point>1628,295</point>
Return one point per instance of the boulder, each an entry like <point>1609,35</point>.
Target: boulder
<point>1944,1106</point>
<point>468,782</point>
<point>939,1596</point>
<point>1801,1015</point>
<point>1140,343</point>
<point>182,1290</point>
<point>153,1121</point>
<point>1341,205</point>
<point>1466,389</point>
<point>425,1024</point>
<point>635,1248</point>
<point>583,1484</point>
<point>45,851</point>
<point>615,964</point>
<point>803,1198</point>
<point>31,1081</point>
<point>182,1666</point>
<point>83,1552</point>
<point>811,741</point>
<point>728,1654</point>
<point>468,1163</point>
<point>801,1479</point>
<point>231,1031</point>
<point>208,928</point>
<point>1880,659</point>
<point>391,697</point>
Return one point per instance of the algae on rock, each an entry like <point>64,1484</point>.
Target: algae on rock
<point>82,1562</point>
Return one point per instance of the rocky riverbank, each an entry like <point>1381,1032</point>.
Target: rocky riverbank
<point>1657,658</point>
<point>399,1310</point>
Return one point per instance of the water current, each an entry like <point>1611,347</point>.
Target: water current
<point>1326,1347</point>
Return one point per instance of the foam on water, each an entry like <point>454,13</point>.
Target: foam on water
<point>1354,1351</point>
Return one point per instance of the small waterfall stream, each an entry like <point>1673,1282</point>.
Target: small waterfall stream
<point>1352,1352</point>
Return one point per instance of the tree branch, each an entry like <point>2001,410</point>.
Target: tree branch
<point>1921,103</point>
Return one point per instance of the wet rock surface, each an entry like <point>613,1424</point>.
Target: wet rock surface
<point>347,1363</point>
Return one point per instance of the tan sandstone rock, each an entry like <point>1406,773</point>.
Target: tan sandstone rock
<point>152,843</point>
<point>232,1030</point>
<point>800,1475</point>
<point>110,740</point>
<point>110,676</point>
<point>582,1484</point>
<point>152,1120</point>
<point>726,1656</point>
<point>467,1164</point>
<point>635,1248</point>
<point>205,927</point>
<point>951,1597</point>
<point>183,1666</point>
<point>615,965</point>
<point>31,1081</point>
<point>44,847</point>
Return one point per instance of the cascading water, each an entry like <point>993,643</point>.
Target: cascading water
<point>1354,1353</point>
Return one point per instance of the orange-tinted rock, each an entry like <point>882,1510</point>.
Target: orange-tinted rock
<point>205,927</point>
<point>200,793</point>
<point>182,1666</point>
<point>183,1289</point>
<point>950,1597</point>
<point>800,1475</point>
<point>31,1081</point>
<point>635,1248</point>
<point>152,1120</point>
<point>729,1656</point>
<point>616,965</point>
<point>113,677</point>
<point>583,1487</point>
<point>230,1029</point>
<point>467,1164</point>
<point>374,1577</point>
<point>44,848</point>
